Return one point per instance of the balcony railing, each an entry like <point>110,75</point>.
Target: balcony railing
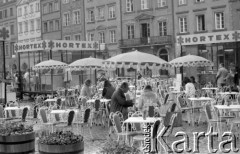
<point>153,40</point>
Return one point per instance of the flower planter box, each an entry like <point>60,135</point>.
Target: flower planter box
<point>17,144</point>
<point>77,148</point>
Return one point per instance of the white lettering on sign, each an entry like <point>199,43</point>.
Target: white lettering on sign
<point>206,38</point>
<point>56,45</point>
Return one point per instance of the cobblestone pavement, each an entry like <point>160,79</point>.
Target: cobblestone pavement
<point>100,135</point>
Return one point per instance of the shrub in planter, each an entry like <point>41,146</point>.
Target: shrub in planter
<point>118,147</point>
<point>17,138</point>
<point>61,142</point>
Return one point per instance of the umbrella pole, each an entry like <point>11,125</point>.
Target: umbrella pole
<point>52,80</point>
<point>90,74</point>
<point>135,83</point>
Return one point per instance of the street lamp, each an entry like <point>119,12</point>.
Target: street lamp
<point>4,34</point>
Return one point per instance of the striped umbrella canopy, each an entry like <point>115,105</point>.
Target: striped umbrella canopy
<point>50,64</point>
<point>86,63</point>
<point>190,61</point>
<point>137,60</point>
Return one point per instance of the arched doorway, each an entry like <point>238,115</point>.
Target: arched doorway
<point>163,54</point>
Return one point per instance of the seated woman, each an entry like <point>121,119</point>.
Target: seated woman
<point>86,90</point>
<point>189,87</point>
<point>148,98</point>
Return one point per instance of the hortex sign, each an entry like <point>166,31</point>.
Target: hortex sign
<point>4,33</point>
<point>206,38</point>
<point>56,45</point>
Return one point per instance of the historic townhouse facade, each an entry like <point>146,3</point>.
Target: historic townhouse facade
<point>103,24</point>
<point>148,27</point>
<point>29,29</point>
<point>73,28</point>
<point>209,29</point>
<point>73,24</point>
<point>51,25</point>
<point>8,19</point>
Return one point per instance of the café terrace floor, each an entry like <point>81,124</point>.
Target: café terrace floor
<point>100,135</point>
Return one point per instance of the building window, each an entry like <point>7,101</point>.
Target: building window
<point>25,10</point>
<point>101,13</point>
<point>57,26</point>
<point>76,17</point>
<point>200,22</point>
<point>67,37</point>
<point>5,13</point>
<point>182,24</point>
<point>219,20</point>
<point>38,24</point>
<point>101,37</point>
<point>1,15</point>
<point>45,27</point>
<point>90,15</point>
<point>11,11</point>
<point>50,7</point>
<point>129,5</point>
<point>56,6</point>
<point>26,26</point>
<point>65,1</point>
<point>31,9</point>
<point>77,37</point>
<point>19,12</point>
<point>20,27</point>
<point>112,12</point>
<point>66,19</point>
<point>162,28</point>
<point>144,4</point>
<point>162,3</point>
<point>112,36</point>
<point>90,37</point>
<point>37,7</point>
<point>51,26</point>
<point>182,2</point>
<point>12,29</point>
<point>32,25</point>
<point>130,31</point>
<point>45,9</point>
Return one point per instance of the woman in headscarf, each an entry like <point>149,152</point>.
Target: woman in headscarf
<point>107,90</point>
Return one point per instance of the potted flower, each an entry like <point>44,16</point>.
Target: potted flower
<point>118,147</point>
<point>17,138</point>
<point>61,142</point>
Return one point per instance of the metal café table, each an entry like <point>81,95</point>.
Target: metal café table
<point>15,108</point>
<point>225,107</point>
<point>149,120</point>
<point>195,100</point>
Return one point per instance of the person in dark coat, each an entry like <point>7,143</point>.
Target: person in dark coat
<point>119,101</point>
<point>108,90</point>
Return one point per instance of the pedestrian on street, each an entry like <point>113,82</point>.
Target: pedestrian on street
<point>222,75</point>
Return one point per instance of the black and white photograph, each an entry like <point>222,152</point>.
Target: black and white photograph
<point>119,76</point>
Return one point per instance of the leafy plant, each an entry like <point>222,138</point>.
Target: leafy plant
<point>118,147</point>
<point>15,129</point>
<point>60,138</point>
